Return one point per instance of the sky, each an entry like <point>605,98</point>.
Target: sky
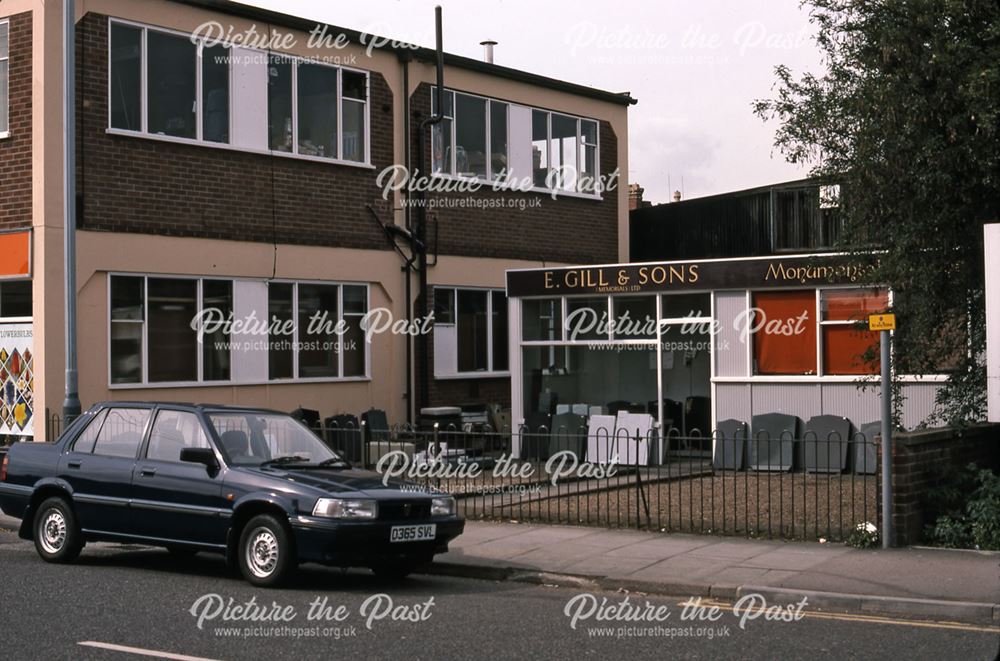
<point>695,66</point>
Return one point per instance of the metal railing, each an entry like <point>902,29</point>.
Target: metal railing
<point>756,486</point>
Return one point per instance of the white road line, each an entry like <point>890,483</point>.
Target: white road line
<point>144,652</point>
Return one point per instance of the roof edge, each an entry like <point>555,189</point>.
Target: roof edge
<point>420,53</point>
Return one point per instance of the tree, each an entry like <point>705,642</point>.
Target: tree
<point>906,117</point>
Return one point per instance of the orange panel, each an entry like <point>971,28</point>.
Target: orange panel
<point>844,347</point>
<point>15,254</point>
<point>785,342</point>
<point>854,304</point>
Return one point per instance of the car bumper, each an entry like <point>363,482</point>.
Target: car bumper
<point>366,543</point>
<point>14,499</point>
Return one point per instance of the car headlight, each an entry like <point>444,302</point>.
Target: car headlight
<point>346,508</point>
<point>444,506</point>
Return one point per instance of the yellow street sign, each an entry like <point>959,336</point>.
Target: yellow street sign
<point>881,322</point>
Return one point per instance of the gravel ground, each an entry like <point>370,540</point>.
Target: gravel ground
<point>781,505</point>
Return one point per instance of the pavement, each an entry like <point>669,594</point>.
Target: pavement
<point>917,582</point>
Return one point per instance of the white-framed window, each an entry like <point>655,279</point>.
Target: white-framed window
<point>4,79</point>
<point>470,331</point>
<point>524,148</point>
<point>151,338</point>
<point>161,84</point>
<point>472,139</point>
<point>564,152</point>
<point>317,110</point>
<point>281,331</point>
<point>315,330</point>
<point>815,332</point>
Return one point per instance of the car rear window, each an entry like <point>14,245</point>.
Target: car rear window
<point>121,433</point>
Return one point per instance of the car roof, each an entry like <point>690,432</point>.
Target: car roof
<point>204,408</point>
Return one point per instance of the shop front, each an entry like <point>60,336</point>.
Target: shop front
<point>678,347</point>
<point>17,383</point>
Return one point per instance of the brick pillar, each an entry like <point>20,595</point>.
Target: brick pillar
<point>917,461</point>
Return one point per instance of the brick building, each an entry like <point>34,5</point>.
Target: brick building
<point>245,179</point>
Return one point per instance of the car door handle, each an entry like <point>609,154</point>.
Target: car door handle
<point>72,464</point>
<point>147,472</point>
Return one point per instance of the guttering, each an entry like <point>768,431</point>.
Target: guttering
<point>420,53</point>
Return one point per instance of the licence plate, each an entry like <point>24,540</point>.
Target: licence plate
<point>412,533</point>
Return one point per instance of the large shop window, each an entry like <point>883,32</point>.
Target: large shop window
<point>470,331</point>
<point>15,299</point>
<point>151,335</point>
<point>162,83</point>
<point>848,346</point>
<point>785,335</point>
<point>4,76</point>
<point>472,139</point>
<point>315,330</point>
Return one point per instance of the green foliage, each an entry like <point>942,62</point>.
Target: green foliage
<point>906,117</point>
<point>952,486</point>
<point>864,536</point>
<point>970,515</point>
<point>951,533</point>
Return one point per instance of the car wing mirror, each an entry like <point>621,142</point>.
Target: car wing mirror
<point>203,456</point>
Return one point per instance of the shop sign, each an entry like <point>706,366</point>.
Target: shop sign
<point>17,381</point>
<point>767,273</point>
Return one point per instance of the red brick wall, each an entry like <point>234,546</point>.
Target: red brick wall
<point>131,184</point>
<point>15,151</point>
<point>573,230</point>
<point>917,462</point>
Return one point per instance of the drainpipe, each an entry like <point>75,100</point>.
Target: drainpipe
<point>421,227</point>
<point>404,57</point>
<point>71,404</point>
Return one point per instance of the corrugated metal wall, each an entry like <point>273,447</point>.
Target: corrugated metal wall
<point>730,351</point>
<point>737,225</point>
<point>745,400</point>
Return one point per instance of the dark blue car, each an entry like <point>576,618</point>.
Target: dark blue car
<point>254,485</point>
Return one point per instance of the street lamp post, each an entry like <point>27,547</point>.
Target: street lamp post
<point>71,404</point>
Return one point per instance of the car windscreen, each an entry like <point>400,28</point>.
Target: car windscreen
<point>251,439</point>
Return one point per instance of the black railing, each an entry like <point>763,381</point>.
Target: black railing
<point>793,488</point>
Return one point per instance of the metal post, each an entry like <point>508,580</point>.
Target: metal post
<point>71,405</point>
<point>886,443</point>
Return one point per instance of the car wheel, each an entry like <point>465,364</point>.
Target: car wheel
<point>57,536</point>
<point>265,553</point>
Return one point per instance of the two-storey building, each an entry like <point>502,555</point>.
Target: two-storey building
<point>232,164</point>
